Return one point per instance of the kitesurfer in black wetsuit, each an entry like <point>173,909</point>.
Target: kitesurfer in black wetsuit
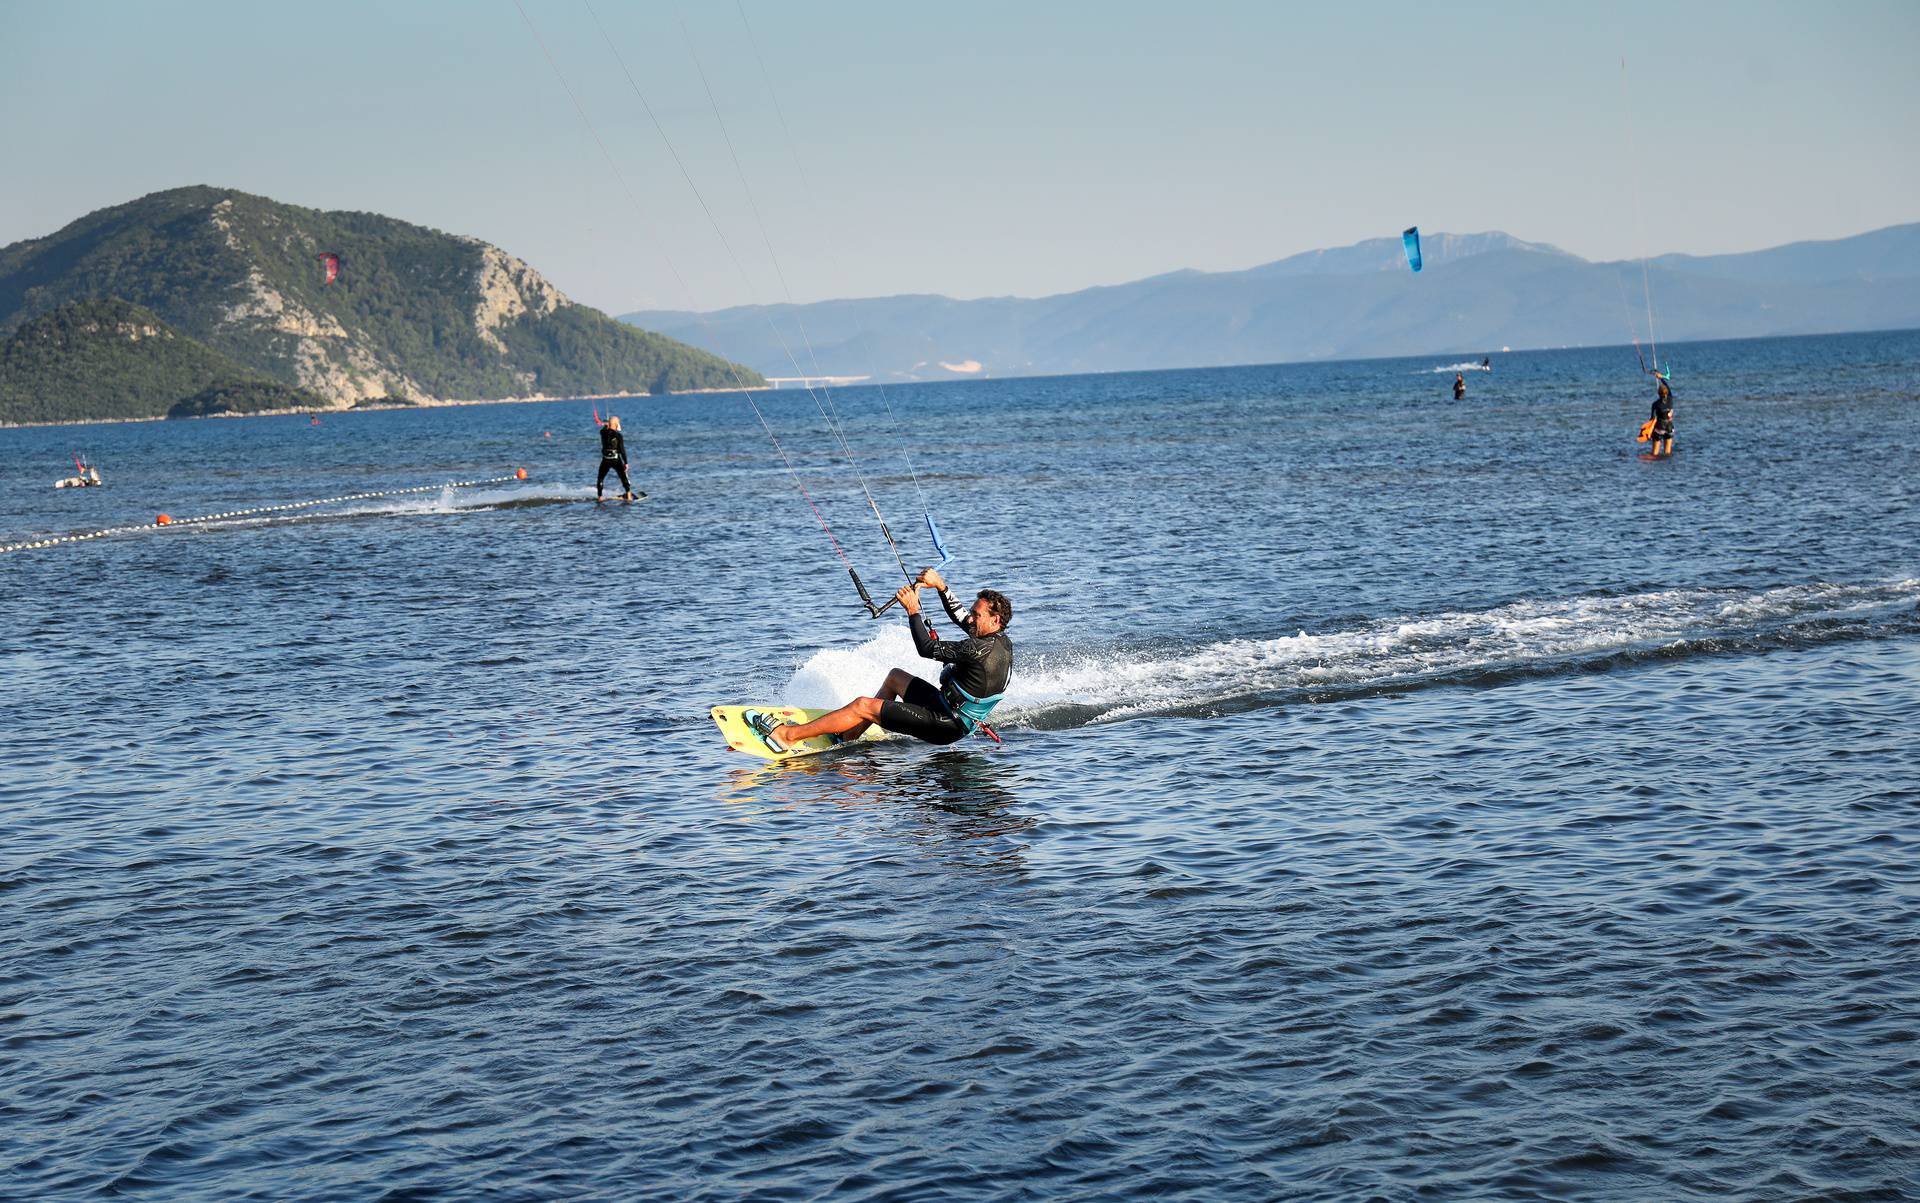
<point>1459,386</point>
<point>972,684</point>
<point>1662,420</point>
<point>613,458</point>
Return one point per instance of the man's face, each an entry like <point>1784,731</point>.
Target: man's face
<point>985,622</point>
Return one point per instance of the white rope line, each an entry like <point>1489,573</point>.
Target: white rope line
<point>828,412</point>
<point>813,199</point>
<point>1639,221</point>
<point>661,250</point>
<point>259,509</point>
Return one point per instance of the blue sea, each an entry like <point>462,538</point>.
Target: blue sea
<point>1400,798</point>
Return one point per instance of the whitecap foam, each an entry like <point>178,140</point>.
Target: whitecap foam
<point>834,676</point>
<point>1460,367</point>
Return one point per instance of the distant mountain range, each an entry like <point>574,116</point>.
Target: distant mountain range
<point>220,294</point>
<point>1477,293</point>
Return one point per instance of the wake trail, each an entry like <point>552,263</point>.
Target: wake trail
<point>1063,688</point>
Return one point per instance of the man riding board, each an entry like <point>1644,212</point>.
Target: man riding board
<point>971,685</point>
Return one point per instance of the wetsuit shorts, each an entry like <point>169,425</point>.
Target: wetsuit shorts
<point>612,465</point>
<point>1663,430</point>
<point>922,713</point>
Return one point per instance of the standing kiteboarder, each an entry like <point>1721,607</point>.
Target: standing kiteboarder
<point>1662,420</point>
<point>613,458</point>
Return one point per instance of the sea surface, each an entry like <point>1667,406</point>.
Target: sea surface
<point>1399,798</point>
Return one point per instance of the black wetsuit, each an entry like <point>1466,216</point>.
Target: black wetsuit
<point>1663,416</point>
<point>980,666</point>
<point>1459,388</point>
<point>613,458</point>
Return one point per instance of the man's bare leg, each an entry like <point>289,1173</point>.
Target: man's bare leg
<point>845,722</point>
<point>851,721</point>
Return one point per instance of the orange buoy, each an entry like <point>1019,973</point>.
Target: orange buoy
<point>163,520</point>
<point>520,474</point>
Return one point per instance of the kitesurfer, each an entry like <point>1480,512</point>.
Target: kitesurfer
<point>971,685</point>
<point>613,458</point>
<point>1662,420</point>
<point>1459,386</point>
<point>1487,364</point>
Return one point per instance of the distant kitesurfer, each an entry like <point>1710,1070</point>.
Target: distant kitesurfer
<point>1459,386</point>
<point>613,458</point>
<point>972,684</point>
<point>1487,364</point>
<point>1662,420</point>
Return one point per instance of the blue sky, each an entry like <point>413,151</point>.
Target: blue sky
<point>977,149</point>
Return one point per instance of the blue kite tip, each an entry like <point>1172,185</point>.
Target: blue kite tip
<point>939,544</point>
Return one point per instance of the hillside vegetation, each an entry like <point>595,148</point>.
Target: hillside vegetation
<point>413,312</point>
<point>113,359</point>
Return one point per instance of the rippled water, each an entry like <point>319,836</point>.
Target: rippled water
<point>1399,798</point>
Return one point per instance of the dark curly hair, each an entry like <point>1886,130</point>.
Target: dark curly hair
<point>998,603</point>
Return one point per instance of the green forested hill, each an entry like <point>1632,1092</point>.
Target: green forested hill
<point>413,313</point>
<point>112,359</point>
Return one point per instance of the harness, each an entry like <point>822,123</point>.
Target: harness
<point>970,710</point>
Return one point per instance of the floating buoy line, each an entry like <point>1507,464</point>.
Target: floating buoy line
<point>167,520</point>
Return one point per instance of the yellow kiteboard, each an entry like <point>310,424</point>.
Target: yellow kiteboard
<point>741,738</point>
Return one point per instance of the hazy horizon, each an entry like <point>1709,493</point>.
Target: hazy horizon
<point>993,151</point>
<point>1393,239</point>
